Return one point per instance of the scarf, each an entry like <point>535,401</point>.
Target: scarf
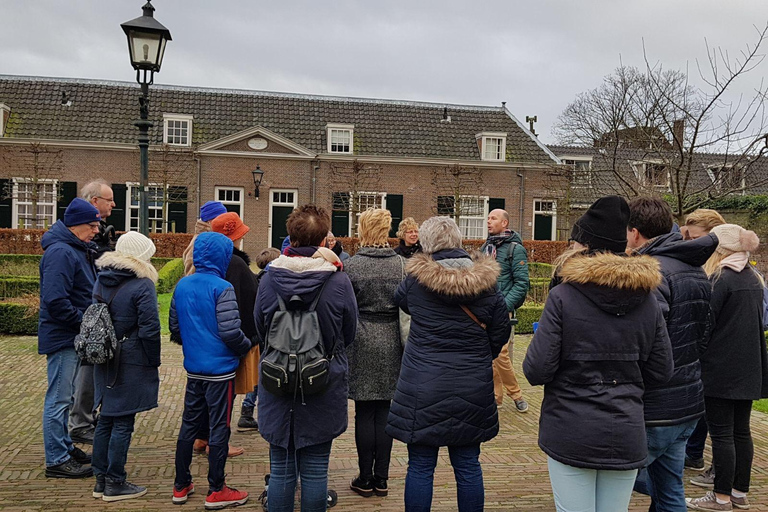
<point>736,261</point>
<point>494,241</point>
<point>312,251</point>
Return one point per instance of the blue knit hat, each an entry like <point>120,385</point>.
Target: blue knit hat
<point>211,210</point>
<point>80,211</point>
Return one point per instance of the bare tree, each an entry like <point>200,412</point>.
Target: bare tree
<point>38,168</point>
<point>355,189</point>
<point>455,187</point>
<point>173,171</point>
<point>656,133</point>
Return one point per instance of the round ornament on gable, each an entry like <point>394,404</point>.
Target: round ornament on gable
<point>257,143</point>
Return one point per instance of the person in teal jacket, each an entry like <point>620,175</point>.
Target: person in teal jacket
<point>506,247</point>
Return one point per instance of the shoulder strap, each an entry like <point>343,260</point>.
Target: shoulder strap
<point>473,317</point>
<point>317,298</point>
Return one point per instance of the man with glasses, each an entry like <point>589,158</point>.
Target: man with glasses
<point>100,195</point>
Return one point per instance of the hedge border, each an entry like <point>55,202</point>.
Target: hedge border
<point>526,315</point>
<point>169,275</point>
<point>16,319</point>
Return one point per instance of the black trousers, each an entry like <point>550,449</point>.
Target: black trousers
<point>374,446</point>
<point>211,401</point>
<point>732,448</point>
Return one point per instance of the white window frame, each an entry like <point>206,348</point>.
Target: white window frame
<point>537,210</point>
<point>182,118</point>
<point>3,109</point>
<point>272,202</point>
<point>464,219</point>
<point>129,208</point>
<point>501,153</point>
<point>332,129</point>
<point>240,203</point>
<point>640,171</point>
<point>572,161</point>
<point>719,184</point>
<point>380,201</point>
<point>16,203</point>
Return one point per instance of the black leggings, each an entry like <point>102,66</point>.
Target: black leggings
<point>374,446</point>
<point>732,448</point>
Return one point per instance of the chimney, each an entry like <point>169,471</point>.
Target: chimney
<point>446,118</point>
<point>678,132</point>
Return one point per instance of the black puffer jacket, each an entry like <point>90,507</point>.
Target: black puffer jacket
<point>600,341</point>
<point>444,395</point>
<point>683,295</point>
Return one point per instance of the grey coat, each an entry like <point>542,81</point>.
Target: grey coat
<point>374,358</point>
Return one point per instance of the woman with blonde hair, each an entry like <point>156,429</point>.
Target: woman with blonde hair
<point>734,366</point>
<point>408,233</point>
<point>374,359</point>
<point>700,222</point>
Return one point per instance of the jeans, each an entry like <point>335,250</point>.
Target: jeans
<point>250,398</point>
<point>81,416</point>
<point>590,490</point>
<point>695,447</point>
<point>62,368</point>
<point>212,400</point>
<point>110,446</point>
<point>421,473</point>
<point>732,449</point>
<point>374,446</point>
<point>312,462</point>
<point>662,478</point>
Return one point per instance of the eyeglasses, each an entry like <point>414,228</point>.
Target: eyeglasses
<point>107,199</point>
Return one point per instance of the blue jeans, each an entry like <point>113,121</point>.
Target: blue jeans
<point>590,490</point>
<point>662,478</point>
<point>421,473</point>
<point>250,398</point>
<point>110,446</point>
<point>695,447</point>
<point>313,470</point>
<point>62,369</point>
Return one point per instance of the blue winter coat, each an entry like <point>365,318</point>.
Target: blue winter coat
<point>204,313</point>
<point>318,418</point>
<point>67,275</point>
<point>444,395</point>
<point>135,315</point>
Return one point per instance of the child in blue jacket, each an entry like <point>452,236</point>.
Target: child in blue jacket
<point>205,318</point>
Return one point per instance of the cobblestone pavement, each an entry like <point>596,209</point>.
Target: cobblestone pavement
<point>514,468</point>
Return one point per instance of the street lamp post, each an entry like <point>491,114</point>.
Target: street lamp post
<point>258,175</point>
<point>146,43</point>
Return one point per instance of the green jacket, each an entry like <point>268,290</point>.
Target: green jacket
<point>513,281</point>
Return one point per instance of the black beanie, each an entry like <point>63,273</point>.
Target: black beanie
<point>604,226</point>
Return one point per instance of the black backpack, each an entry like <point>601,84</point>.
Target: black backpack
<point>295,360</point>
<point>97,342</point>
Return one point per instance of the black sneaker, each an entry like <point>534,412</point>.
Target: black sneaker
<point>80,456</point>
<point>333,499</point>
<point>82,436</point>
<point>69,469</point>
<point>380,486</point>
<point>694,464</point>
<point>98,489</point>
<point>247,422</point>
<point>118,491</point>
<point>362,487</point>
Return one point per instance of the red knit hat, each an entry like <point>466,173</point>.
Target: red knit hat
<point>230,225</point>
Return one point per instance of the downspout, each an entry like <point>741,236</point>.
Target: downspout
<point>522,201</point>
<point>199,181</point>
<point>315,168</point>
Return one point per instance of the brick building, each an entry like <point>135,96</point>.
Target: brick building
<point>346,154</point>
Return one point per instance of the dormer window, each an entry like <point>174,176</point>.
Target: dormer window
<point>652,175</point>
<point>728,179</point>
<point>177,129</point>
<point>5,113</point>
<point>340,138</point>
<point>493,146</point>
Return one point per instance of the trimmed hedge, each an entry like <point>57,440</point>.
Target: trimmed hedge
<point>526,315</point>
<point>539,290</point>
<point>27,241</point>
<point>16,286</point>
<point>17,319</point>
<point>541,270</point>
<point>169,275</point>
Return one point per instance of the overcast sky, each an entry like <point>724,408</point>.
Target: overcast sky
<point>535,55</point>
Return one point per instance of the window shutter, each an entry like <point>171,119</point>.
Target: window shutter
<point>117,218</point>
<point>67,192</point>
<point>496,203</point>
<point>177,209</point>
<point>6,202</point>
<point>395,207</point>
<point>446,205</point>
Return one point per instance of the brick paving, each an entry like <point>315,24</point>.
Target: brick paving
<point>514,467</point>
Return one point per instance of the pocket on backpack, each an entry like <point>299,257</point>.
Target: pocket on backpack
<point>314,377</point>
<point>274,378</point>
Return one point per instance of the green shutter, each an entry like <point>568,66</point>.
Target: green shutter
<point>6,203</point>
<point>67,192</point>
<point>395,207</point>
<point>117,218</point>
<point>496,203</point>
<point>340,223</point>
<point>177,209</point>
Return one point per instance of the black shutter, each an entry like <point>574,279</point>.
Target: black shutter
<point>67,192</point>
<point>496,203</point>
<point>446,205</point>
<point>117,218</point>
<point>340,214</point>
<point>6,203</point>
<point>177,209</point>
<point>395,207</point>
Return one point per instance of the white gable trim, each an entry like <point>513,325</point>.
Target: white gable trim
<point>251,132</point>
<point>533,137</point>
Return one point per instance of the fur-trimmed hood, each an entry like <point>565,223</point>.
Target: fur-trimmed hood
<point>453,273</point>
<point>615,283</point>
<point>120,261</point>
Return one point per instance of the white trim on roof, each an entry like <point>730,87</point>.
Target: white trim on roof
<point>533,137</point>
<point>251,132</point>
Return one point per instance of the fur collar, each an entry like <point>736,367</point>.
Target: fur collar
<point>121,261</point>
<point>300,264</point>
<point>613,271</point>
<point>466,281</point>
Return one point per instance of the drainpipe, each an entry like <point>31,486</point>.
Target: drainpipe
<point>199,182</point>
<point>522,201</point>
<point>315,168</point>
